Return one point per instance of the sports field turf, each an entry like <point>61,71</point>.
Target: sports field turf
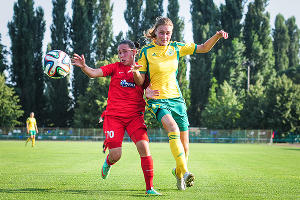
<point>71,170</point>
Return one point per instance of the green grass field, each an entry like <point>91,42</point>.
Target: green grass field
<point>71,170</point>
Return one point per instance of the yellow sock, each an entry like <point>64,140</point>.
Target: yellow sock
<point>33,142</point>
<point>178,153</point>
<point>28,139</point>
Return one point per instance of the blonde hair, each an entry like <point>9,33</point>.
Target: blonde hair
<point>150,33</point>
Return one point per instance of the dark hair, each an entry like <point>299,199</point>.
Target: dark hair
<point>132,45</point>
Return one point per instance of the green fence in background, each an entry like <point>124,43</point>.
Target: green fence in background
<point>197,135</point>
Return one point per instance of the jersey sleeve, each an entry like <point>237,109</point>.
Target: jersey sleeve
<point>108,70</point>
<point>186,48</point>
<point>143,61</point>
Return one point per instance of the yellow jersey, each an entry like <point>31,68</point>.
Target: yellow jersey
<point>31,122</point>
<point>161,64</point>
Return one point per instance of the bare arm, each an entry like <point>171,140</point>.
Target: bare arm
<point>79,61</point>
<point>36,129</point>
<point>208,45</point>
<point>137,76</point>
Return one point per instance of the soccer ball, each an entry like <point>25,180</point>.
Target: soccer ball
<point>57,64</point>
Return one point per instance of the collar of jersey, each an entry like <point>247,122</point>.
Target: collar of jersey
<point>160,47</point>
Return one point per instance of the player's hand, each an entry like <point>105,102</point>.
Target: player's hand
<point>151,94</point>
<point>78,61</point>
<point>134,68</point>
<point>100,120</point>
<point>222,34</point>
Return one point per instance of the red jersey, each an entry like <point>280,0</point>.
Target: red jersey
<point>125,98</point>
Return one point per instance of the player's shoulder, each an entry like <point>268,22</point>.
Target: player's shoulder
<point>147,46</point>
<point>175,43</point>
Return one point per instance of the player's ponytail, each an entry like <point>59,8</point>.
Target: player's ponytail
<point>150,33</point>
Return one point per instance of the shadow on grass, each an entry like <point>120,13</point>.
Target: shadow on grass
<point>292,149</point>
<point>121,192</point>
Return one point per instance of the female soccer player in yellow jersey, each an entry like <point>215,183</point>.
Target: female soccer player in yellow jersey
<point>159,60</point>
<point>31,128</point>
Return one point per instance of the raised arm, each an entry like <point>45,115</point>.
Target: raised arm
<point>208,45</point>
<point>79,61</point>
<point>137,76</point>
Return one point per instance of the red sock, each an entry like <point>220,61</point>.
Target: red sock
<point>147,166</point>
<point>108,162</point>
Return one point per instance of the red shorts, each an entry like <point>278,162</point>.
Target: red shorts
<point>114,129</point>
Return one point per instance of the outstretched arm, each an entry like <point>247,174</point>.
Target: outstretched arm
<point>137,76</point>
<point>79,61</point>
<point>208,45</point>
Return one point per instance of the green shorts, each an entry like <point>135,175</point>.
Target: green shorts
<point>175,107</point>
<point>32,132</point>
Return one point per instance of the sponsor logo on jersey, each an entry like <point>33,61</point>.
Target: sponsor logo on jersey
<point>154,54</point>
<point>124,83</point>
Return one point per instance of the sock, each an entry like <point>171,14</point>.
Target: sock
<point>33,142</point>
<point>178,153</point>
<point>147,166</point>
<point>108,162</point>
<point>28,140</point>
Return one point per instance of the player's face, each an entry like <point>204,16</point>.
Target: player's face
<point>126,54</point>
<point>163,34</point>
<point>31,114</point>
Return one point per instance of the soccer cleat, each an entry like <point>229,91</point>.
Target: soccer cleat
<point>189,179</point>
<point>105,170</point>
<point>153,192</point>
<point>174,172</point>
<point>180,183</point>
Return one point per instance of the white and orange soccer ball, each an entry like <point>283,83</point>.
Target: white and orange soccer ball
<point>57,64</point>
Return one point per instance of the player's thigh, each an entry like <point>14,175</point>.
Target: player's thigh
<point>169,123</point>
<point>114,130</point>
<point>136,129</point>
<point>178,109</point>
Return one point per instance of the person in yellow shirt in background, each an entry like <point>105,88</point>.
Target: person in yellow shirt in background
<point>31,128</point>
<point>159,59</point>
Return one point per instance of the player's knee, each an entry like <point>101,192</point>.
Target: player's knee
<point>143,148</point>
<point>115,156</point>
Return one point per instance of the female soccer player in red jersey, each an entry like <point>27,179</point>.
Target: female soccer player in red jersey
<point>124,111</point>
<point>159,59</point>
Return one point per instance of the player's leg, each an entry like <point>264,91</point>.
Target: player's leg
<point>33,139</point>
<point>176,148</point>
<point>28,139</point>
<point>114,133</point>
<point>184,138</point>
<point>113,157</point>
<point>137,131</point>
<point>178,109</point>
